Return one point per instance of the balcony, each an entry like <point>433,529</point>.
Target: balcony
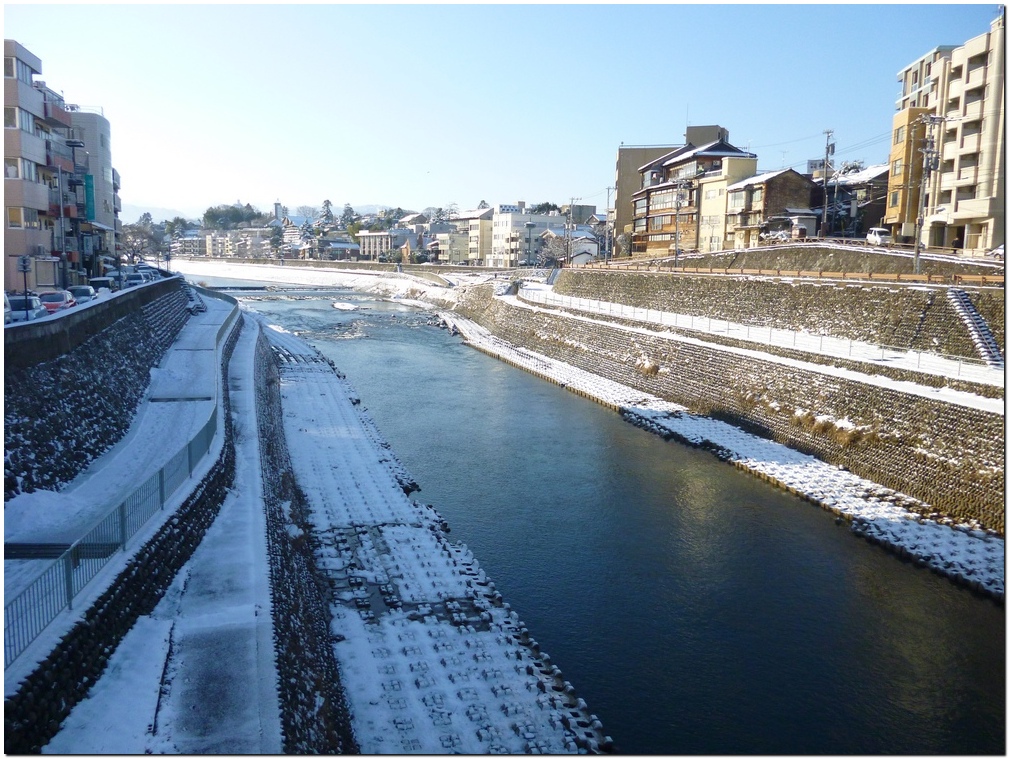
<point>975,208</point>
<point>59,156</point>
<point>970,143</point>
<point>56,115</point>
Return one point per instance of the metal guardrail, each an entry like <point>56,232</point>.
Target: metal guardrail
<point>32,610</point>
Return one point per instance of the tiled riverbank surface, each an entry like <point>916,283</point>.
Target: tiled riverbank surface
<point>432,659</point>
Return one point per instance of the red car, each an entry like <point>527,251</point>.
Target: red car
<point>60,300</point>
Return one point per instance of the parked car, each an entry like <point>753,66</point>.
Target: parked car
<point>136,278</point>
<point>83,293</point>
<point>879,236</point>
<point>109,283</point>
<point>7,310</point>
<point>58,300</point>
<point>998,253</point>
<point>26,308</point>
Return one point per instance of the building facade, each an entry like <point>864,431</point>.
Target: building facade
<point>953,114</point>
<point>101,227</point>
<point>682,203</point>
<point>515,234</point>
<point>752,202</point>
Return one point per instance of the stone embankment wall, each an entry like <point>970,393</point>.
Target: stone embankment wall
<point>314,713</point>
<point>33,715</point>
<point>948,456</point>
<point>72,384</point>
<point>914,318</point>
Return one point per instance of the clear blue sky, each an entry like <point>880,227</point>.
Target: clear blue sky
<point>427,105</point>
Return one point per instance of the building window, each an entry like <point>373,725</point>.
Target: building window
<point>898,135</point>
<point>758,195</point>
<point>27,218</point>
<point>898,167</point>
<point>8,68</point>
<point>736,199</point>
<point>894,198</point>
<point>10,117</point>
<point>11,168</point>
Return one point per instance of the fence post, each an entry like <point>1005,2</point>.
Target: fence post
<point>161,486</point>
<point>122,526</point>
<point>68,576</point>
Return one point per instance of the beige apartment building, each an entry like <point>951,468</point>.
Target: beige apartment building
<point>950,127</point>
<point>478,226</point>
<point>630,159</point>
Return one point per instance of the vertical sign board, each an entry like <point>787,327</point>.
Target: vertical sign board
<point>89,196</point>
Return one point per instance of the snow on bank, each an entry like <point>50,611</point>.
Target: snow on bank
<point>969,555</point>
<point>432,660</point>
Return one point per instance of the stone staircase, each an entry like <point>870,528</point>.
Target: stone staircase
<point>986,344</point>
<point>196,304</point>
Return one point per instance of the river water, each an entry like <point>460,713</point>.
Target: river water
<point>696,609</point>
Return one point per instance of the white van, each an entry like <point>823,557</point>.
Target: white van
<point>879,236</point>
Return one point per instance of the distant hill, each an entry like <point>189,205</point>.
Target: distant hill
<point>131,213</point>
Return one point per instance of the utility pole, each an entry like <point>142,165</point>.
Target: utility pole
<point>827,151</point>
<point>63,233</point>
<point>607,242</point>
<point>929,163</point>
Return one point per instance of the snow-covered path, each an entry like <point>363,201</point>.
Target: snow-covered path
<point>198,675</point>
<point>915,361</point>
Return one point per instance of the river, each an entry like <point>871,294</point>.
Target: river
<point>696,609</point>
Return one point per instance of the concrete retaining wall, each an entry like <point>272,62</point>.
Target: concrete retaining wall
<point>72,384</point>
<point>948,456</point>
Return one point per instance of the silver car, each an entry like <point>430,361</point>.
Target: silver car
<point>83,293</point>
<point>26,308</point>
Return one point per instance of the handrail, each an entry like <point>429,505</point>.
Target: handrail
<point>34,608</point>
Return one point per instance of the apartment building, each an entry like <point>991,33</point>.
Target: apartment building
<point>515,232</point>
<point>753,202</point>
<point>683,197</point>
<point>630,159</point>
<point>100,225</point>
<point>478,226</point>
<point>377,246</point>
<point>36,159</point>
<point>955,120</point>
<point>60,200</point>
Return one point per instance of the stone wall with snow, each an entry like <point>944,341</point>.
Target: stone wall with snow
<point>949,456</point>
<point>915,318</point>
<point>63,411</point>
